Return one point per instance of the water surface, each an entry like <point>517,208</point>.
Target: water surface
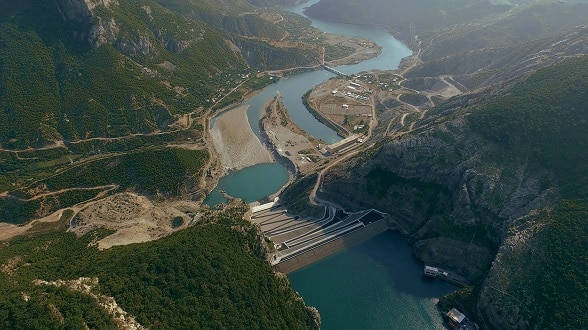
<point>250,184</point>
<point>376,284</point>
<point>293,87</point>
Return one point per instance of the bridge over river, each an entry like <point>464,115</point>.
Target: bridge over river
<point>333,70</point>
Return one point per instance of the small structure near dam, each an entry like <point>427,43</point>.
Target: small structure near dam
<point>300,242</point>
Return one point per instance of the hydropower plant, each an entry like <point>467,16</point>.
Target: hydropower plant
<point>300,242</point>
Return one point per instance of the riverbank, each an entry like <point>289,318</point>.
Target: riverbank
<point>291,145</point>
<point>235,143</point>
<point>322,119</point>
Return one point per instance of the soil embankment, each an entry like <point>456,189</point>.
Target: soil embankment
<point>289,144</point>
<point>235,142</point>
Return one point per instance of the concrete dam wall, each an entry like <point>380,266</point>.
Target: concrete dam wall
<point>317,253</point>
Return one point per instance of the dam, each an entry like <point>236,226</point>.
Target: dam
<point>300,242</point>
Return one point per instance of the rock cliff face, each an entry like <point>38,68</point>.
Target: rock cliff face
<point>537,280</point>
<point>444,192</point>
<point>96,30</point>
<point>98,23</point>
<point>80,10</point>
<point>487,185</point>
<point>103,32</point>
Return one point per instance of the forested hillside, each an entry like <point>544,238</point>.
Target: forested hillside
<point>165,172</point>
<point>80,77</point>
<point>483,182</point>
<point>208,276</point>
<point>83,83</point>
<point>71,71</point>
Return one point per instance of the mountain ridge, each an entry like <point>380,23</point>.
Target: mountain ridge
<point>474,167</point>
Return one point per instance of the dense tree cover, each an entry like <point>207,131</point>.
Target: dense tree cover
<point>18,168</point>
<point>49,92</point>
<point>539,281</point>
<point>208,276</point>
<point>543,118</point>
<point>59,80</point>
<point>154,172</point>
<point>540,123</point>
<point>275,58</point>
<point>560,295</point>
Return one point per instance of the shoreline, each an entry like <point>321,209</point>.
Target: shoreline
<point>293,171</point>
<point>341,132</point>
<point>236,144</point>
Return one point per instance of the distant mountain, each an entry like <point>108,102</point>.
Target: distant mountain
<point>479,43</point>
<point>402,16</point>
<point>490,65</point>
<point>235,16</point>
<point>490,184</point>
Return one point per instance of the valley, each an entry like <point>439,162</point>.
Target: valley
<point>471,147</point>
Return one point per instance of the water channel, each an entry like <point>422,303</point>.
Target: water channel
<point>376,284</point>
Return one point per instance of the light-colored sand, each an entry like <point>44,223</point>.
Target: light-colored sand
<point>235,142</point>
<point>8,230</point>
<point>288,140</point>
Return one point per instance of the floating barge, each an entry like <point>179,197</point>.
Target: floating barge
<point>445,275</point>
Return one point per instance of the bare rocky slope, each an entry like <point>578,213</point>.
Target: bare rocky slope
<point>492,183</point>
<point>467,184</point>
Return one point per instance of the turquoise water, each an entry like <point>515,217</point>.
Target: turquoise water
<point>376,284</point>
<point>392,50</point>
<point>292,88</point>
<point>250,184</point>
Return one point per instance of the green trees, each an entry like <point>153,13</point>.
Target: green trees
<point>204,277</point>
<point>28,88</point>
<point>166,172</point>
<point>544,118</point>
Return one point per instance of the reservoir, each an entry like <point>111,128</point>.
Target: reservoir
<point>292,88</point>
<point>250,184</point>
<point>376,284</point>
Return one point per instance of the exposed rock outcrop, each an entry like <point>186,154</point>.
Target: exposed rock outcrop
<point>103,32</point>
<point>97,30</point>
<point>439,180</point>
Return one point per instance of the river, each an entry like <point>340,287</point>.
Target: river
<point>292,88</point>
<point>376,284</point>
